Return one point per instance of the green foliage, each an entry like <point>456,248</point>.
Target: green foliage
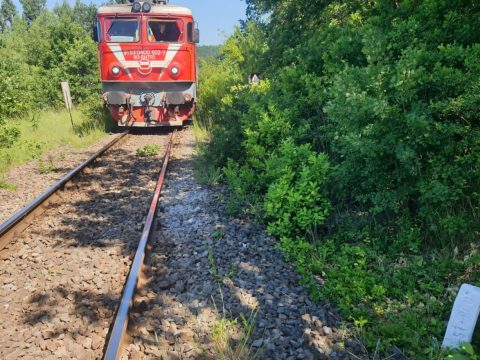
<point>6,186</point>
<point>360,152</point>
<point>295,202</point>
<point>46,166</point>
<point>383,293</point>
<point>35,58</point>
<point>95,116</point>
<point>9,135</point>
<point>217,234</point>
<point>16,84</point>
<point>466,352</point>
<point>392,134</point>
<point>206,173</point>
<point>36,54</point>
<point>216,77</point>
<point>148,150</point>
<point>8,12</point>
<point>80,13</point>
<point>246,48</point>
<point>32,9</point>
<point>78,61</point>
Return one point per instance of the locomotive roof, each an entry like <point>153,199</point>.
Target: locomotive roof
<point>156,9</point>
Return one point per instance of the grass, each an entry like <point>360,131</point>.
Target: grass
<point>6,186</point>
<point>231,337</point>
<point>47,131</point>
<point>204,172</point>
<point>393,298</point>
<point>200,132</point>
<point>213,267</point>
<point>218,234</point>
<point>47,166</point>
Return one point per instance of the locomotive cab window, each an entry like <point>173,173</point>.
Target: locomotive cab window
<point>165,30</point>
<point>122,30</point>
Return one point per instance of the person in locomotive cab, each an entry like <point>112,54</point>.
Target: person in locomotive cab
<point>157,31</point>
<point>162,31</point>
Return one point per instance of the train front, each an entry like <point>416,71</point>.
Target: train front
<point>147,63</point>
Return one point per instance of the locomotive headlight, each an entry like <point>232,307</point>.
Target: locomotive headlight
<point>146,7</point>
<point>116,70</point>
<point>174,70</point>
<point>136,7</point>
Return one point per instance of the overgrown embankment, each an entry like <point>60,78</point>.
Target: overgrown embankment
<point>37,52</point>
<point>360,151</point>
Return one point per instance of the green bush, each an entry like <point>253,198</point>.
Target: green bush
<point>148,150</point>
<point>16,85</point>
<point>95,116</point>
<point>295,203</point>
<point>402,155</point>
<point>36,57</point>
<point>9,135</point>
<point>360,152</point>
<point>466,352</point>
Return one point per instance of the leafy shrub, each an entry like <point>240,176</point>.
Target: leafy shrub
<point>466,352</point>
<point>36,57</point>
<point>388,92</point>
<point>148,150</point>
<point>79,67</point>
<point>95,116</point>
<point>9,135</point>
<point>295,203</point>
<point>16,84</point>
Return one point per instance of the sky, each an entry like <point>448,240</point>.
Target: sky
<point>216,18</point>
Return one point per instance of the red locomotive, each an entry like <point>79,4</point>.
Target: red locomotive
<point>147,62</point>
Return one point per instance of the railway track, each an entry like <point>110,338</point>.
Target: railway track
<point>117,335</point>
<point>65,269</point>
<point>24,218</point>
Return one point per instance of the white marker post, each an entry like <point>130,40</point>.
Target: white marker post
<point>68,100</point>
<point>463,318</point>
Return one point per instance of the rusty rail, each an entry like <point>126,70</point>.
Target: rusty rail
<point>117,334</point>
<point>24,218</point>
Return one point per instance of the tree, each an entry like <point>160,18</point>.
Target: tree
<point>247,48</point>
<point>85,15</point>
<point>32,8</point>
<point>7,12</point>
<point>63,11</point>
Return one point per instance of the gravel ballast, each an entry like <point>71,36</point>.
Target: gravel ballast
<point>205,266</point>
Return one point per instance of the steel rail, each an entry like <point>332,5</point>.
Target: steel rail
<point>117,334</point>
<point>24,218</point>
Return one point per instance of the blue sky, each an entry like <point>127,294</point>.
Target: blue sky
<point>215,17</point>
